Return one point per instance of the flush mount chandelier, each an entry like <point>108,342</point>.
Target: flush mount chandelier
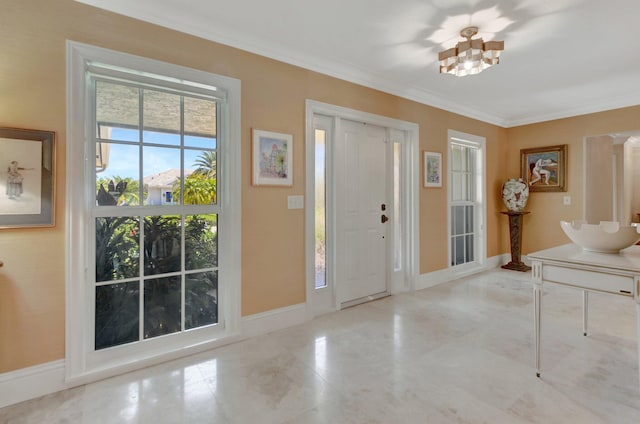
<point>470,57</point>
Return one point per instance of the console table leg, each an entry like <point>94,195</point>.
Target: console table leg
<point>537,300</point>
<point>536,273</point>
<point>585,310</point>
<point>638,328</point>
<point>636,295</point>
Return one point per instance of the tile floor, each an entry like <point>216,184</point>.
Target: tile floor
<point>461,352</point>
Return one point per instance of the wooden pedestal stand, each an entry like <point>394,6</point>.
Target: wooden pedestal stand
<point>515,235</point>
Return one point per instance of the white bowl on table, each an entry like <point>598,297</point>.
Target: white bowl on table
<point>606,237</point>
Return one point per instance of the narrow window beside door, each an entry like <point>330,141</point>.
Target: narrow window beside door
<point>320,208</point>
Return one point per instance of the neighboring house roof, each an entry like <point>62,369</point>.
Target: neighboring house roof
<point>165,178</point>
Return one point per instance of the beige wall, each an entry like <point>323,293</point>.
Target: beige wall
<point>32,87</point>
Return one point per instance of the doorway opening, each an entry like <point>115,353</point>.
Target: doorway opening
<point>611,172</point>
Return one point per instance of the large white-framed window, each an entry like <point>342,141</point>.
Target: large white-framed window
<point>466,188</point>
<point>153,192</point>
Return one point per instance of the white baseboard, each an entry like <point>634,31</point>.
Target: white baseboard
<point>32,382</point>
<point>440,276</point>
<point>39,380</point>
<point>498,260</point>
<point>277,319</point>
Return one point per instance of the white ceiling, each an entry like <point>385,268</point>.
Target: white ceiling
<point>562,57</point>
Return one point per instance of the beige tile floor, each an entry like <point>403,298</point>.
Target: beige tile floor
<point>461,352</point>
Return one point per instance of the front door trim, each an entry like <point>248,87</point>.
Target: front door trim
<point>325,300</point>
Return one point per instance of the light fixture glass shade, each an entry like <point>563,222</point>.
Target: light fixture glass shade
<point>470,57</point>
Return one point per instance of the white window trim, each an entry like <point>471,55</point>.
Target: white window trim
<point>79,197</point>
<point>481,243</point>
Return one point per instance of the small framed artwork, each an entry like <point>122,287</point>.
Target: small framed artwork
<point>26,178</point>
<point>432,169</point>
<point>272,159</point>
<point>545,168</point>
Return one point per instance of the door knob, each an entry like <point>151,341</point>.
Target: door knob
<point>384,218</point>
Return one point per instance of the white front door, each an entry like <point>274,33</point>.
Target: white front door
<point>361,202</point>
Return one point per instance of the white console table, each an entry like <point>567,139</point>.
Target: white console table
<point>569,265</point>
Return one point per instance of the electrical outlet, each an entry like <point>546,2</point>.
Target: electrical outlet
<point>566,200</point>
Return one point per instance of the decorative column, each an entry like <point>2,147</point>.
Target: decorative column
<point>515,235</point>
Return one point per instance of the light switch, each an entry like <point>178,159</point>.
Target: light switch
<point>295,202</point>
<point>566,200</point>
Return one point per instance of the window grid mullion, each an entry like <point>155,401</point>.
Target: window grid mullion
<point>183,221</point>
<point>141,295</point>
<point>141,241</point>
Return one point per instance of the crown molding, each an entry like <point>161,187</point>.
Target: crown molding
<point>619,102</point>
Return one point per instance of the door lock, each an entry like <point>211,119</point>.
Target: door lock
<point>384,218</point>
<point>383,207</point>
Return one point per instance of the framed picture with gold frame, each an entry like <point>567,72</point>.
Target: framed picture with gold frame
<point>27,187</point>
<point>545,168</point>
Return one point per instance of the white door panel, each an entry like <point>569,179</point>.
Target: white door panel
<point>361,178</point>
